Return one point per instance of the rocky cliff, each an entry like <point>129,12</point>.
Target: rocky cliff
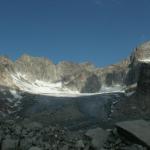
<point>71,77</point>
<point>82,78</point>
<point>140,55</point>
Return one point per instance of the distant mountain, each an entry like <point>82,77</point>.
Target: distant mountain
<point>30,73</point>
<point>37,89</point>
<point>41,76</point>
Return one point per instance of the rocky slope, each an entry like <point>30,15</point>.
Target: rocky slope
<point>67,76</point>
<point>35,136</point>
<point>74,77</point>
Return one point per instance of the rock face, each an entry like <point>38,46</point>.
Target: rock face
<point>36,68</point>
<point>5,65</point>
<point>76,77</point>
<point>144,79</point>
<point>140,55</point>
<point>114,74</point>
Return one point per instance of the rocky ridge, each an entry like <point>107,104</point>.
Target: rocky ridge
<point>75,77</point>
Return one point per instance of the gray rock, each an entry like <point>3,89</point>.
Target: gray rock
<point>98,137</point>
<point>80,144</point>
<point>144,79</point>
<point>134,147</point>
<point>65,147</point>
<point>33,126</point>
<point>35,148</point>
<point>18,130</point>
<point>9,144</point>
<point>137,130</point>
<point>25,144</point>
<point>1,135</point>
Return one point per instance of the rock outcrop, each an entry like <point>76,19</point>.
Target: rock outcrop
<point>140,55</point>
<point>114,74</point>
<point>136,130</point>
<point>144,79</point>
<point>5,66</point>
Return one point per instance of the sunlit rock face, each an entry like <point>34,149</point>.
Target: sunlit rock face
<point>5,76</point>
<point>114,74</point>
<point>36,68</point>
<point>140,55</point>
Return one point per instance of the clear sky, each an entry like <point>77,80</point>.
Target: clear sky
<point>99,31</point>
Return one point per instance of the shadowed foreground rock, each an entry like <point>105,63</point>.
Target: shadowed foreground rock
<point>138,130</point>
<point>98,137</point>
<point>34,136</point>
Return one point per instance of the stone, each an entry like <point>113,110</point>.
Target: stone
<point>80,144</point>
<point>18,130</point>
<point>137,130</point>
<point>134,147</point>
<point>9,144</point>
<point>33,126</point>
<point>65,147</point>
<point>35,148</point>
<point>98,137</point>
<point>25,143</point>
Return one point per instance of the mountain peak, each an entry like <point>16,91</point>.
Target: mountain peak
<point>142,53</point>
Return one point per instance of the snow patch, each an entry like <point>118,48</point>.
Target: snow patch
<point>112,89</point>
<point>130,93</point>
<point>146,60</point>
<point>15,94</point>
<point>54,89</point>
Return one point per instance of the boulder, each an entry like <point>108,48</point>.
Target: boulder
<point>134,147</point>
<point>138,131</point>
<point>9,144</point>
<point>33,126</point>
<point>35,148</point>
<point>98,137</point>
<point>80,144</point>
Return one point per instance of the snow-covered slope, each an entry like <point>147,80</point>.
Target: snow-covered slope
<point>147,60</point>
<point>54,89</point>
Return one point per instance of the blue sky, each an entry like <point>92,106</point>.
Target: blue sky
<point>99,31</point>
